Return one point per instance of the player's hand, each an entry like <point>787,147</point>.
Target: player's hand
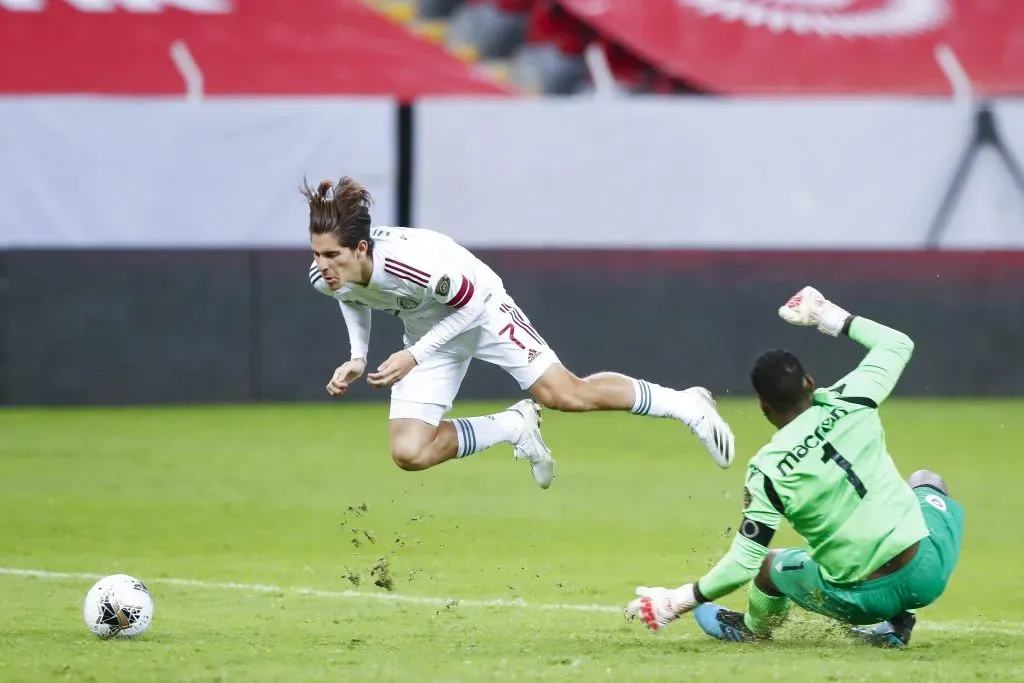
<point>659,607</point>
<point>345,375</point>
<point>809,308</point>
<point>397,366</point>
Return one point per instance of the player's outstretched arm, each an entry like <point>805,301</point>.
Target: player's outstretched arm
<point>889,350</point>
<point>658,607</point>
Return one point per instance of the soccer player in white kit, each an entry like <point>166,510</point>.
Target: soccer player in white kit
<point>455,309</point>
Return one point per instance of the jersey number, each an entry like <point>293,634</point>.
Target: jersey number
<point>511,335</point>
<point>832,454</point>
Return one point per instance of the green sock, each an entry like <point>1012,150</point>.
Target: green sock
<point>764,612</point>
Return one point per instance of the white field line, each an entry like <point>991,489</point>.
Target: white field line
<point>1010,628</point>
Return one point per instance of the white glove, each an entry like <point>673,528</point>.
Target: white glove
<point>658,607</point>
<point>808,308</point>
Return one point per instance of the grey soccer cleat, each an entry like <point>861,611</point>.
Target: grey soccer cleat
<point>531,446</point>
<point>893,633</point>
<point>713,431</point>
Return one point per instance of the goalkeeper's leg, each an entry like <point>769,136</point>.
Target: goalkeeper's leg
<point>937,554</point>
<point>766,609</point>
<point>767,606</point>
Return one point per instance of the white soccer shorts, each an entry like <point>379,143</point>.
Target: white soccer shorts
<point>505,337</point>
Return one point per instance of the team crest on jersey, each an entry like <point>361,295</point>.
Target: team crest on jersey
<point>444,285</point>
<point>746,498</point>
<point>407,303</point>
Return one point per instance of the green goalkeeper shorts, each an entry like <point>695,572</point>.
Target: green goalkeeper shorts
<point>915,585</point>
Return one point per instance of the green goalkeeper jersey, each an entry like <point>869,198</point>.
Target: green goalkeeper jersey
<point>829,474</point>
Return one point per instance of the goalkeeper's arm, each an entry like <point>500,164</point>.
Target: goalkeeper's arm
<point>750,545</point>
<point>658,607</point>
<point>889,351</point>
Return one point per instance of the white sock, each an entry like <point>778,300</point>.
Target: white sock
<point>477,434</point>
<point>659,401</point>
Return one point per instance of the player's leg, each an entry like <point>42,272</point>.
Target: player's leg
<point>936,560</point>
<point>791,575</point>
<point>418,443</point>
<point>767,608</point>
<point>928,478</point>
<point>419,436</point>
<point>944,517</point>
<point>426,440</point>
<point>510,341</point>
<point>560,389</point>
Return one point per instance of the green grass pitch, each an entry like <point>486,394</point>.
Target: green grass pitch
<point>281,544</point>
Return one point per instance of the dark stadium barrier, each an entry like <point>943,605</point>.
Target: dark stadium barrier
<point>151,327</point>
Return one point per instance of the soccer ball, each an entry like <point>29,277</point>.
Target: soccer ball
<point>118,605</point>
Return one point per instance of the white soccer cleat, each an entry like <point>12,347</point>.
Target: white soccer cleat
<point>531,446</point>
<point>710,428</point>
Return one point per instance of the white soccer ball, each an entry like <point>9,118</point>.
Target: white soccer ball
<point>118,605</point>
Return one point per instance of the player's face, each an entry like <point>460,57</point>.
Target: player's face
<point>336,263</point>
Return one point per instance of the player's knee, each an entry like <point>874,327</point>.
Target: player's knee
<point>763,580</point>
<point>766,564</point>
<point>928,478</point>
<point>409,456</point>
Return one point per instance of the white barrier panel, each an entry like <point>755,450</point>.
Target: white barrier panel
<point>990,213</point>
<point>130,173</point>
<point>705,173</point>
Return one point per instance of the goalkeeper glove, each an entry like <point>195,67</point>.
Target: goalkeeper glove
<point>809,308</point>
<point>658,607</point>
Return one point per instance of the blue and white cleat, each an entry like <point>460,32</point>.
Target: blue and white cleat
<point>724,624</point>
<point>894,633</point>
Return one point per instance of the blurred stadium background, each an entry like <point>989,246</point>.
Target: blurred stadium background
<point>650,178</point>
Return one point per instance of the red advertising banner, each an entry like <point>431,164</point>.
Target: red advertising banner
<point>819,47</point>
<point>241,47</point>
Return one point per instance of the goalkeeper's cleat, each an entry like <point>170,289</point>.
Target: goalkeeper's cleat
<point>894,633</point>
<point>713,431</point>
<point>530,445</point>
<point>724,624</point>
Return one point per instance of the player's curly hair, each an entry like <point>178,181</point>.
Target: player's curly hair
<point>342,210</point>
<point>779,379</point>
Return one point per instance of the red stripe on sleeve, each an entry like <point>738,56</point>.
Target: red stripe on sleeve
<point>461,293</point>
<point>464,295</point>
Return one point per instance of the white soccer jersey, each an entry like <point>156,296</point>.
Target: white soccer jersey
<point>454,308</point>
<point>419,275</point>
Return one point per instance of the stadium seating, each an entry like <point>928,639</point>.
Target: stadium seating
<point>672,46</point>
<point>533,45</point>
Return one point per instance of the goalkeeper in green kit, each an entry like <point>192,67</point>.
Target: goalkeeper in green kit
<point>877,547</point>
